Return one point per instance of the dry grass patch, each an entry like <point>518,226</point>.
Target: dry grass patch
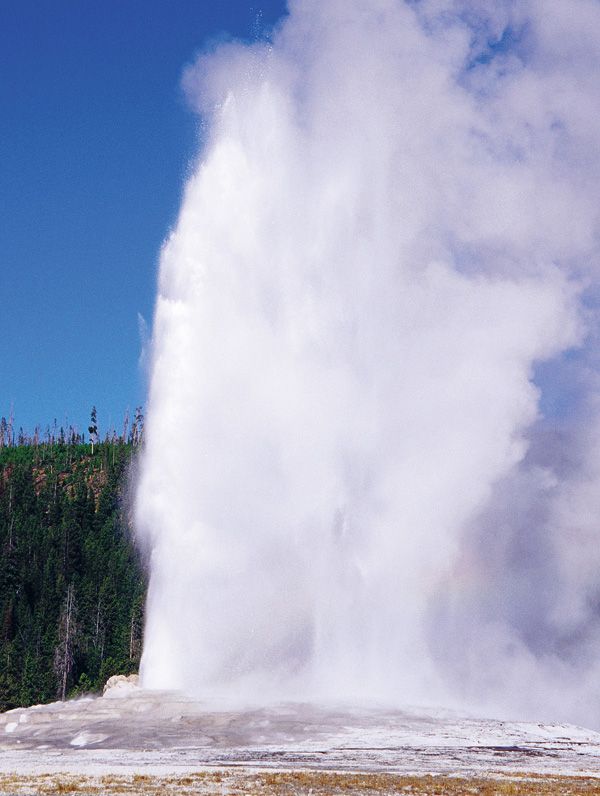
<point>235,782</point>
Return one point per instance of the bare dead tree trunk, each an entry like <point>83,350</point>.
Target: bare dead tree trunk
<point>67,651</point>
<point>99,623</point>
<point>131,637</point>
<point>64,653</point>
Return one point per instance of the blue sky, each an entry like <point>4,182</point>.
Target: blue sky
<point>95,143</point>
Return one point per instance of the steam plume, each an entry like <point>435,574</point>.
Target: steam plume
<point>373,437</point>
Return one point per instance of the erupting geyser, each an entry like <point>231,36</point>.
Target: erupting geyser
<point>372,450</point>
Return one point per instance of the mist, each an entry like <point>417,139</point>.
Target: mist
<point>372,441</point>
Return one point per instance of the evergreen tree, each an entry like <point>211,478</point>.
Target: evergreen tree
<point>93,428</point>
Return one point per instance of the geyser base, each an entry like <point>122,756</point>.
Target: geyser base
<point>166,734</point>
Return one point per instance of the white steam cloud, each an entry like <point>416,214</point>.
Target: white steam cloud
<point>372,460</point>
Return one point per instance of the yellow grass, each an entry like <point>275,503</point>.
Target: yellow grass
<point>294,783</point>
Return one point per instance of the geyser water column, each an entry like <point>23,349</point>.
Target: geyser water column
<point>371,256</point>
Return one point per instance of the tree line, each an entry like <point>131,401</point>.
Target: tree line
<point>68,434</point>
<point>72,586</point>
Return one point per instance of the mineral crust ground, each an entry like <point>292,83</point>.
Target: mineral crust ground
<point>143,742</point>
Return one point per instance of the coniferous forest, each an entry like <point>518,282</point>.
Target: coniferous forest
<point>72,584</point>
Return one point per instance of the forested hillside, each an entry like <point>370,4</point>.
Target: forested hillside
<point>71,584</point>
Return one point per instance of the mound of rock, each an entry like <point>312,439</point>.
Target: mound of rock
<point>121,685</point>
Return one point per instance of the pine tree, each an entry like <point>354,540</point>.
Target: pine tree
<point>93,428</point>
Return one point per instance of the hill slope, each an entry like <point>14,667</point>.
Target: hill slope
<point>71,585</point>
